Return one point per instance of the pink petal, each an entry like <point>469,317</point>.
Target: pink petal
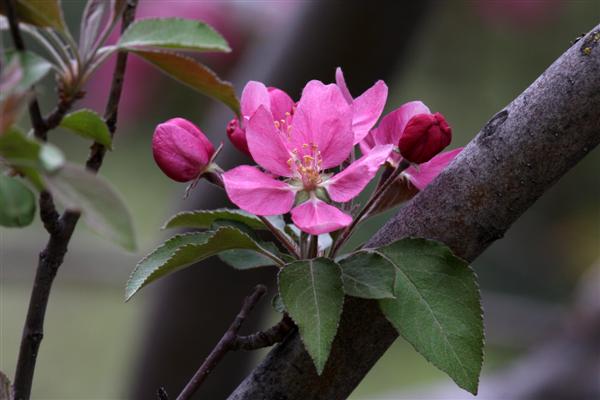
<point>317,217</point>
<point>266,144</point>
<point>341,82</point>
<point>367,109</point>
<point>392,125</point>
<point>281,103</point>
<point>256,192</point>
<point>350,182</point>
<point>254,95</point>
<point>324,118</point>
<point>422,175</point>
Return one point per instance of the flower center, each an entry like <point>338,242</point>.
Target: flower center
<point>306,165</point>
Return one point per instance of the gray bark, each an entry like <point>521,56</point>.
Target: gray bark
<point>521,152</point>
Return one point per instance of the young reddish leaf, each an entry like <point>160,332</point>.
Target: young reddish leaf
<point>41,13</point>
<point>192,73</point>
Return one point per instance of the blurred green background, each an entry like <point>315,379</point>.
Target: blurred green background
<point>467,62</point>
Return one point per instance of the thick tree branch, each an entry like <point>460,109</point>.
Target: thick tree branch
<point>60,229</point>
<point>521,152</point>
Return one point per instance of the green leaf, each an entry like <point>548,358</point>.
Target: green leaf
<point>247,259</point>
<point>313,295</point>
<point>204,219</point>
<point>194,74</point>
<point>93,16</point>
<point>184,250</point>
<point>437,307</point>
<point>29,156</point>
<point>368,275</point>
<point>41,13</point>
<point>88,124</point>
<point>277,304</point>
<point>172,33</point>
<point>17,203</point>
<point>33,68</point>
<point>101,207</point>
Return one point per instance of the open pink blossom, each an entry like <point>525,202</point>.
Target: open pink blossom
<point>296,152</point>
<point>421,175</point>
<point>366,108</point>
<point>254,95</point>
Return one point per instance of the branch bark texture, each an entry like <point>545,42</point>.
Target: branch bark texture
<point>520,153</point>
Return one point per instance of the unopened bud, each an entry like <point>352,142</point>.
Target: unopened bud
<point>181,150</point>
<point>237,136</point>
<point>424,136</point>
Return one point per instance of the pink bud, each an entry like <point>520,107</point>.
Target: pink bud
<point>424,136</point>
<point>237,136</point>
<point>181,150</point>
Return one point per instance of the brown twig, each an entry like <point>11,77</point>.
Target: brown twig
<point>232,341</point>
<point>60,229</point>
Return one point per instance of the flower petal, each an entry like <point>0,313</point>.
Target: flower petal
<point>350,182</point>
<point>254,95</point>
<point>341,82</point>
<point>256,192</point>
<point>367,108</point>
<point>281,103</point>
<point>323,117</point>
<point>392,125</point>
<point>317,217</point>
<point>266,144</point>
<point>423,174</point>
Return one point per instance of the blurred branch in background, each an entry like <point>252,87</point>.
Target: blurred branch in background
<point>564,366</point>
<point>368,44</point>
<point>521,152</point>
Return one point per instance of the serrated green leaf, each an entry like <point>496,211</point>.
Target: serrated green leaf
<point>172,33</point>
<point>101,207</point>
<point>437,307</point>
<point>193,74</point>
<point>88,124</point>
<point>313,296</point>
<point>41,13</point>
<point>246,259</point>
<point>33,68</point>
<point>17,203</point>
<point>368,275</point>
<point>204,219</point>
<point>184,250</point>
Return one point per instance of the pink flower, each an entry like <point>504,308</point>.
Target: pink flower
<point>424,136</point>
<point>366,108</point>
<point>296,151</point>
<point>254,95</point>
<point>422,175</point>
<point>417,132</point>
<point>181,150</point>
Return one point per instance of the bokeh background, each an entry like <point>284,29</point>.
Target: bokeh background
<point>466,59</point>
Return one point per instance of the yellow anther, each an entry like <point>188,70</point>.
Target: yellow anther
<point>276,124</point>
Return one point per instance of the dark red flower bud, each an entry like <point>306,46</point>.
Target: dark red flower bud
<point>237,136</point>
<point>424,136</point>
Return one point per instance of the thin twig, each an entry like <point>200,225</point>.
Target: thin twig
<point>379,191</point>
<point>60,229</point>
<point>259,340</point>
<point>225,344</point>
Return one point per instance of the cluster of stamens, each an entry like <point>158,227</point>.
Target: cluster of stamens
<point>307,166</point>
<point>284,125</point>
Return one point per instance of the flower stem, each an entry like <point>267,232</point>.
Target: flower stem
<point>379,192</point>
